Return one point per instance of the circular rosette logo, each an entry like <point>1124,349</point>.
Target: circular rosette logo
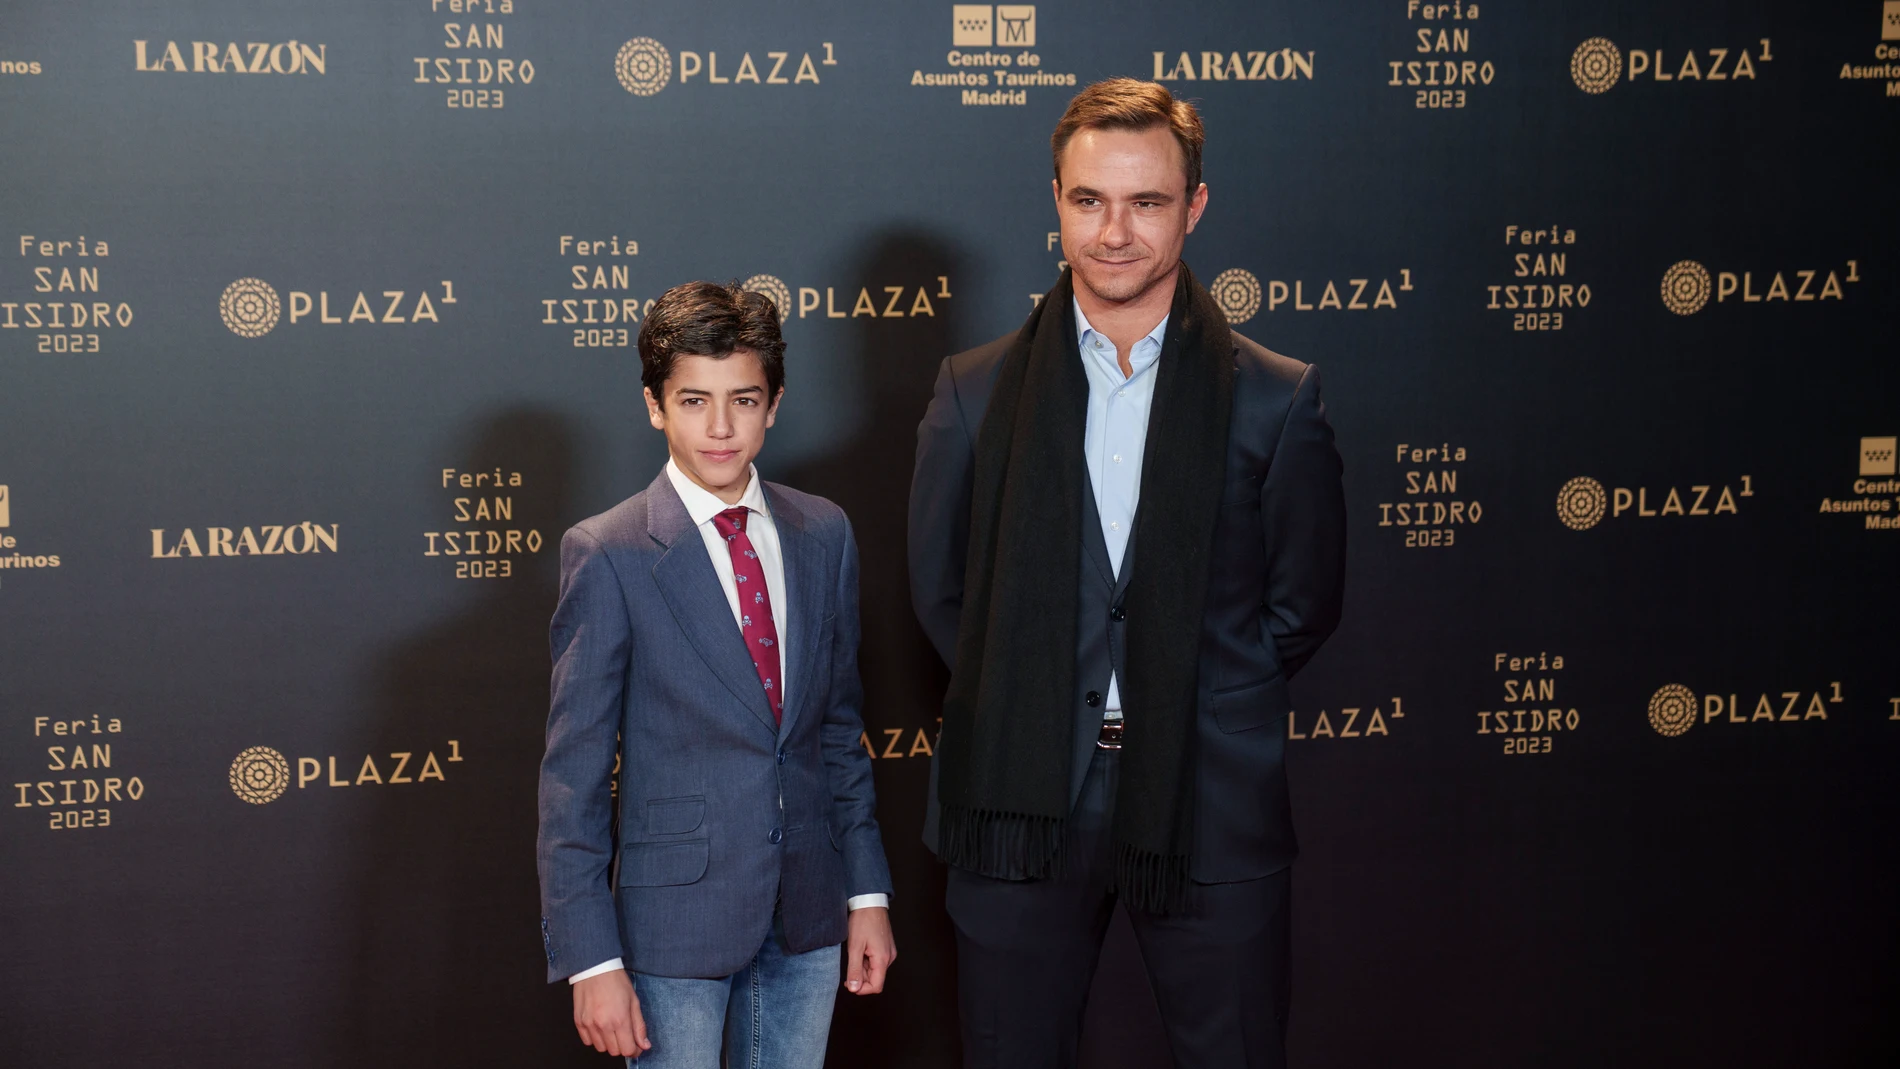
<point>259,775</point>
<point>1685,287</point>
<point>1596,65</point>
<point>249,307</point>
<point>773,288</point>
<point>1581,502</point>
<point>644,66</point>
<point>1672,710</point>
<point>1238,294</point>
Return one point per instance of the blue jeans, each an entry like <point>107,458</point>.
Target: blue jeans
<point>773,1014</point>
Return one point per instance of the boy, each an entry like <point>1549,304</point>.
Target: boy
<point>707,636</point>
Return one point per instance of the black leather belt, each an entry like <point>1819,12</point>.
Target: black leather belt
<point>1111,736</point>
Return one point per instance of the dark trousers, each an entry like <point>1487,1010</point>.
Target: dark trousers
<point>1027,950</point>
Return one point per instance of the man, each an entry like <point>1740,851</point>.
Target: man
<point>705,648</point>
<point>1127,532</point>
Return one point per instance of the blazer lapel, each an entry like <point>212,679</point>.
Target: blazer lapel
<point>691,588</point>
<point>805,602</point>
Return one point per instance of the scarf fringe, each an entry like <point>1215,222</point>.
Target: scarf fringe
<point>1005,846</point>
<point>1151,882</point>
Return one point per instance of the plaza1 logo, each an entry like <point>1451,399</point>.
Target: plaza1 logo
<point>63,300</point>
<point>1348,722</point>
<point>85,784</point>
<point>1541,292</point>
<point>1530,716</point>
<point>1598,64</point>
<point>993,75</point>
<point>10,555</point>
<point>1886,65</point>
<point>1238,292</point>
<point>251,308</point>
<point>645,66</point>
<point>231,57</point>
<point>1875,494</point>
<point>476,74</point>
<point>1430,509</point>
<point>260,775</point>
<point>902,301</point>
<point>1446,78</point>
<point>1582,502</point>
<point>1674,708</point>
<point>263,540</point>
<point>900,742</point>
<point>1687,285</point>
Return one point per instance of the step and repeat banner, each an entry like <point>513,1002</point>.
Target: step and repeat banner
<point>317,329</point>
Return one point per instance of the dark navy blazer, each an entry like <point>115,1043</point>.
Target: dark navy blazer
<point>1273,598</point>
<point>722,815</point>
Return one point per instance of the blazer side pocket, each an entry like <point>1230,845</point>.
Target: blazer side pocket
<point>1247,707</point>
<point>663,864</point>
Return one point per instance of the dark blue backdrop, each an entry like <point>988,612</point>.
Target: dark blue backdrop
<point>1599,768</point>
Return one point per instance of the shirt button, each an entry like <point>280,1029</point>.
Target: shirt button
<point>1115,525</point>
<point>776,835</point>
<point>1118,458</point>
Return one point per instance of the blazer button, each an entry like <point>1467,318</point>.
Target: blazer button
<point>776,835</point>
<point>781,757</point>
<point>1117,614</point>
<point>1092,699</point>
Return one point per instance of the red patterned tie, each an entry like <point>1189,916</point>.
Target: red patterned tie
<point>755,605</point>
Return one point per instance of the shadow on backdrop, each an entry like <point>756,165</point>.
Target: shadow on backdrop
<point>914,1023</point>
<point>448,885</point>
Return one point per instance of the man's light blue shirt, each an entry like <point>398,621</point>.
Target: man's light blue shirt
<point>1116,437</point>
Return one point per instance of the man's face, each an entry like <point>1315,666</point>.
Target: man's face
<point>714,414</point>
<point>1125,209</point>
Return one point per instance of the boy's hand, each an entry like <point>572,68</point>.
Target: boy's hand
<point>869,950</point>
<point>607,1015</point>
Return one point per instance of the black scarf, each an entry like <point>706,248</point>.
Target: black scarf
<point>1009,716</point>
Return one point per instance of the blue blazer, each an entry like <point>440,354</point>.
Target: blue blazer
<point>721,815</point>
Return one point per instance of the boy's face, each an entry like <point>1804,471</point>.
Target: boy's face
<point>714,414</point>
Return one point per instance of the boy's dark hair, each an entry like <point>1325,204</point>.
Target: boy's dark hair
<point>708,319</point>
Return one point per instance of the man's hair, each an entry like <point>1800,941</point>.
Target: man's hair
<point>1131,104</point>
<point>708,319</point>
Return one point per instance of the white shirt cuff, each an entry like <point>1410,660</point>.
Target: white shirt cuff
<point>605,966</point>
<point>867,901</point>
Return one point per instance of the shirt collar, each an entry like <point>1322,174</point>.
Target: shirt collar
<point>1083,329</point>
<point>702,505</point>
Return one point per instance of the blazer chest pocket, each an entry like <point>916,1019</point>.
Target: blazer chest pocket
<point>663,864</point>
<point>1248,707</point>
<point>676,816</point>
